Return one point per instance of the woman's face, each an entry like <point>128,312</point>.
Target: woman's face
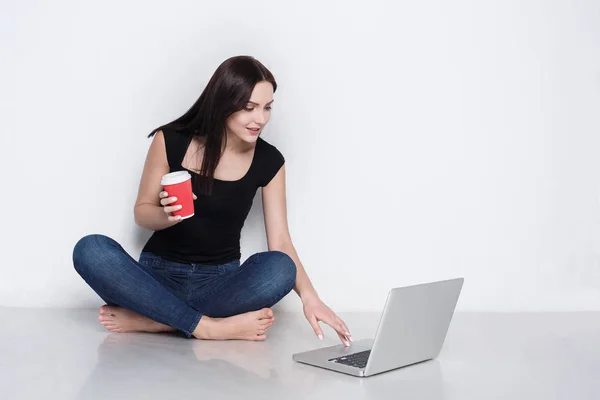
<point>256,115</point>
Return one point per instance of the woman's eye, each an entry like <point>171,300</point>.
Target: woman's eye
<point>252,109</point>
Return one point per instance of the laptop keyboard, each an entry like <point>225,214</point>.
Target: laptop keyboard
<point>358,360</point>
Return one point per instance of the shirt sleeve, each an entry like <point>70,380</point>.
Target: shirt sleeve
<point>174,147</point>
<point>273,163</point>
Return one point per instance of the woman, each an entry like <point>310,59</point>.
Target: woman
<point>189,277</point>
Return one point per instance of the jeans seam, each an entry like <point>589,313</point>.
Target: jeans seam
<point>188,285</point>
<point>194,325</point>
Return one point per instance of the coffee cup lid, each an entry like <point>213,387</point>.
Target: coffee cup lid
<point>175,177</point>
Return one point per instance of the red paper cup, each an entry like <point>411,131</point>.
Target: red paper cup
<point>179,184</point>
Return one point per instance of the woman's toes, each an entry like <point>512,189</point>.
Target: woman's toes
<point>103,318</point>
<point>266,313</point>
<point>110,327</point>
<point>110,309</point>
<point>107,309</point>
<point>260,337</point>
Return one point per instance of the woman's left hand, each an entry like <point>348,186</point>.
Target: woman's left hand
<point>315,310</point>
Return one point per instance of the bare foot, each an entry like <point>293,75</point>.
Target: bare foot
<point>248,326</point>
<point>118,319</point>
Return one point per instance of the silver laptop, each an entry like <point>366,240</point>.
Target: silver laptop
<point>412,329</point>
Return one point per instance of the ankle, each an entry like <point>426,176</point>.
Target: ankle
<point>205,327</point>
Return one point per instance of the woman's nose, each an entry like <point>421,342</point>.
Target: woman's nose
<point>260,118</point>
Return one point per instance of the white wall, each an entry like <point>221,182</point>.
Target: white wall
<point>424,140</point>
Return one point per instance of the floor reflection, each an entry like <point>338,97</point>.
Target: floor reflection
<point>142,365</point>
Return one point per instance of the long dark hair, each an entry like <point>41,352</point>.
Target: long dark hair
<point>227,92</point>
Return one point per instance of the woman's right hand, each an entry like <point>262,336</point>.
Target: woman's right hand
<point>165,200</point>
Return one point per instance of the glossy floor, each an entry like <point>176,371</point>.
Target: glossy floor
<point>67,354</point>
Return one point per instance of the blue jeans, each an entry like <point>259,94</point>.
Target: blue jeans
<point>178,294</point>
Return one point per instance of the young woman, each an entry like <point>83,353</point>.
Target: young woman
<point>189,277</point>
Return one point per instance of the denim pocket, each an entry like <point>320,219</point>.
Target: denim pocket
<point>162,265</point>
<point>148,259</point>
<point>229,267</point>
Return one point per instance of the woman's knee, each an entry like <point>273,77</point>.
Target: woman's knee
<point>283,269</point>
<point>90,251</point>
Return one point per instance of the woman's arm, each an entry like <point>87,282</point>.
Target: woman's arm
<point>148,212</point>
<point>278,238</point>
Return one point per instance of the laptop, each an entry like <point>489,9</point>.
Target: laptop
<point>412,329</point>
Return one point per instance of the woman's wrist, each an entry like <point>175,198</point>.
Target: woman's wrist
<point>152,217</point>
<point>309,296</point>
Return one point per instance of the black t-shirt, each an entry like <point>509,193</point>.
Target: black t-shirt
<point>212,234</point>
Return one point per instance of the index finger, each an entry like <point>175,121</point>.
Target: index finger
<point>345,327</point>
<point>340,330</point>
<point>338,327</point>
<point>344,339</point>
